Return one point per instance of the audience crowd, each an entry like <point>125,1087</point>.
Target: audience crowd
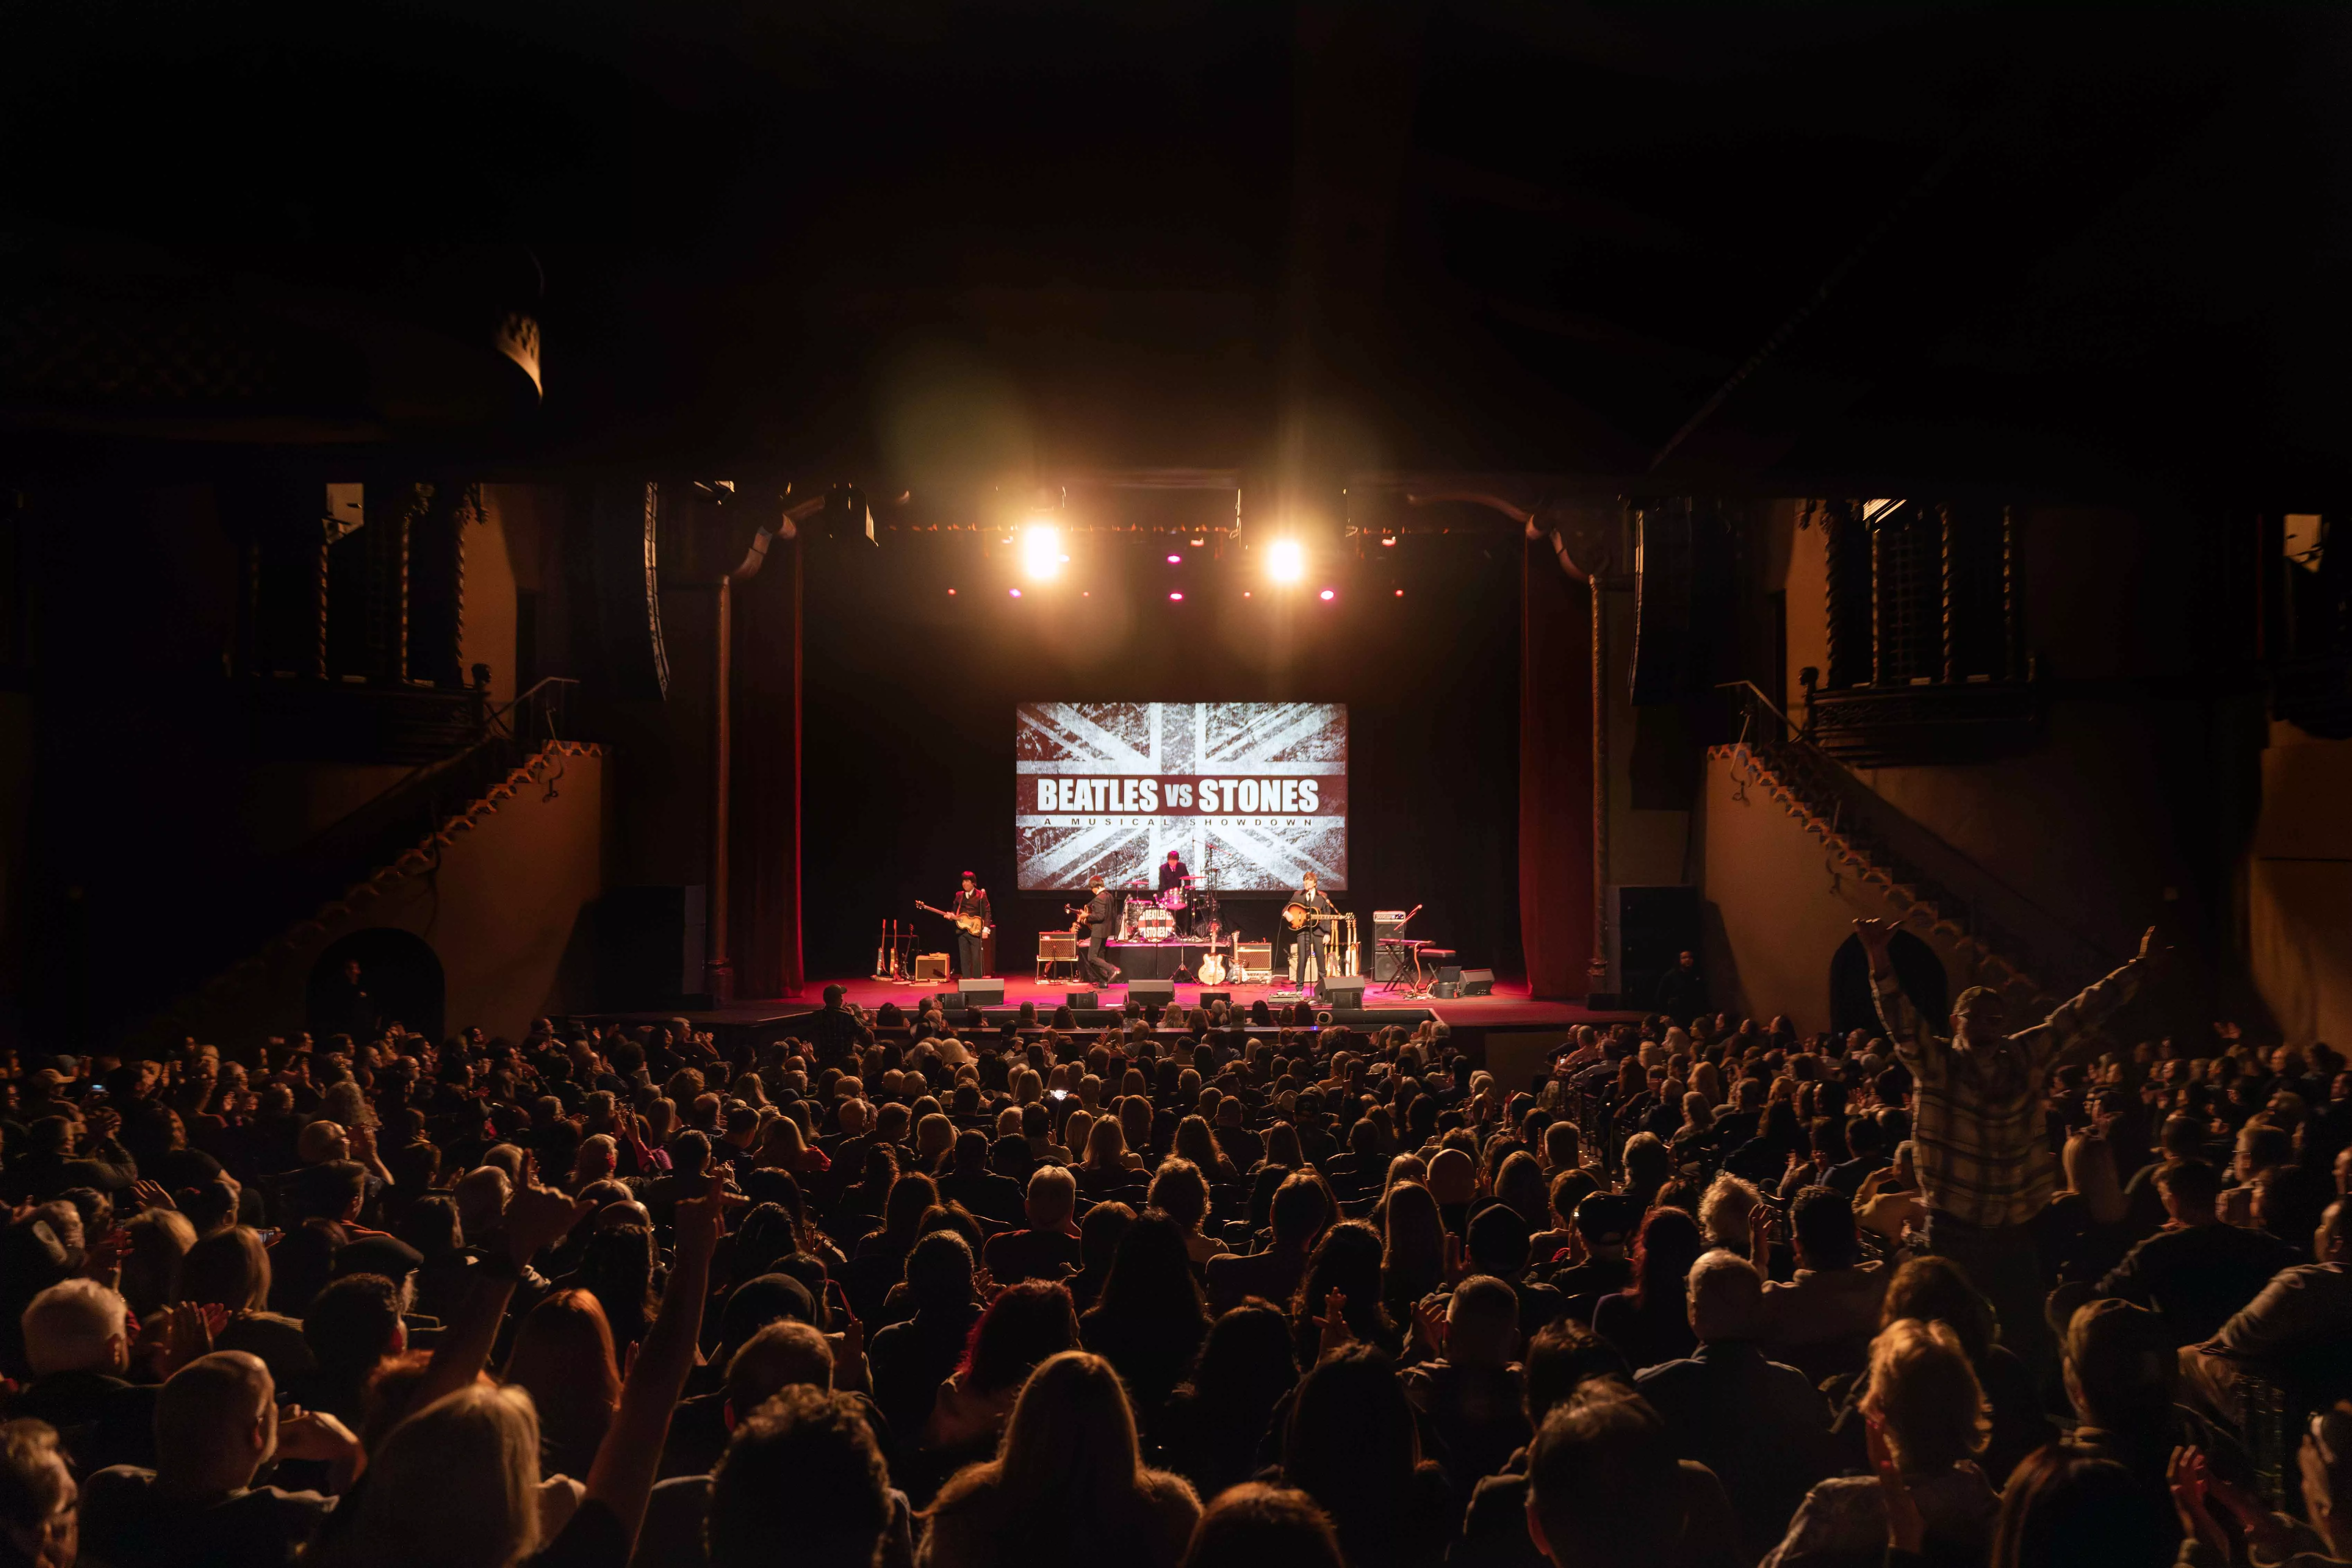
<point>1219,1290</point>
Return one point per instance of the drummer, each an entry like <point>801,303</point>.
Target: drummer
<point>1175,883</point>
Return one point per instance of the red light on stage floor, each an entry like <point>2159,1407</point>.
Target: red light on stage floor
<point>1327,594</point>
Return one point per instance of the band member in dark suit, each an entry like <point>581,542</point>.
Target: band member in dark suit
<point>972,899</point>
<point>1310,937</point>
<point>1101,919</point>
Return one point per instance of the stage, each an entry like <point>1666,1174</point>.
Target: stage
<point>1511,1033</point>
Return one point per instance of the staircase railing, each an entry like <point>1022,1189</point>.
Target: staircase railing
<point>1959,899</point>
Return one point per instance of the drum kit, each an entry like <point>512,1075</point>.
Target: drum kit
<point>1179,911</point>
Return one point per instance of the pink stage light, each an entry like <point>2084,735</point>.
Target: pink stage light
<point>950,593</point>
<point>1176,595</point>
<point>1327,594</point>
<point>1175,561</point>
<point>1015,592</point>
<point>1399,593</point>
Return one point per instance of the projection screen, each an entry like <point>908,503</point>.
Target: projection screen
<point>1250,795</point>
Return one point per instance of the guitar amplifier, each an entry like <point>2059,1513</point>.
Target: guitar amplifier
<point>1253,961</point>
<point>1384,924</point>
<point>1057,947</point>
<point>930,966</point>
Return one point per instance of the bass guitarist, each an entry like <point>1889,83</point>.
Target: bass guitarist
<point>970,906</point>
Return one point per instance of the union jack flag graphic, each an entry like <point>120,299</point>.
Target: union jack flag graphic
<point>1251,796</point>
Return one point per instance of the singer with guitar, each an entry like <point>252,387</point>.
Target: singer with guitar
<point>973,922</point>
<point>1304,914</point>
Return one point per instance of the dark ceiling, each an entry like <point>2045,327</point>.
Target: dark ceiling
<point>1775,247</point>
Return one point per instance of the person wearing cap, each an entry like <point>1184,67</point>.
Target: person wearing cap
<point>1981,1139</point>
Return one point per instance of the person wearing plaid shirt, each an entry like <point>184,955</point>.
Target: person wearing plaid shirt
<point>1981,1142</point>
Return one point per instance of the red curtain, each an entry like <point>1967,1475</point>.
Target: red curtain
<point>764,860</point>
<point>1554,774</point>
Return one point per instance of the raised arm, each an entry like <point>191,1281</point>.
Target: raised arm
<point>622,1476</point>
<point>2074,1025</point>
<point>1905,1029</point>
<point>535,1217</point>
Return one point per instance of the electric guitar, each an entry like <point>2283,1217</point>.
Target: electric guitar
<point>1213,968</point>
<point>972,925</point>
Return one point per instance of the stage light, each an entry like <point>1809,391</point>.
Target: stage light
<point>1175,561</point>
<point>1015,592</point>
<point>950,593</point>
<point>1285,562</point>
<point>1176,595</point>
<point>1327,594</point>
<point>1399,593</point>
<point>1387,542</point>
<point>1041,551</point>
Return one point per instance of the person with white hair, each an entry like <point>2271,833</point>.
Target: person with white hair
<point>1760,1426</point>
<point>78,1345</point>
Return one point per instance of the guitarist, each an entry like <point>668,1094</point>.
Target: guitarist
<point>1310,936</point>
<point>971,899</point>
<point>1101,917</point>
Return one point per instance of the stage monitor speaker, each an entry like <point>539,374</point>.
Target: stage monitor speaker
<point>1451,974</point>
<point>1656,926</point>
<point>1344,991</point>
<point>1149,991</point>
<point>1478,983</point>
<point>1210,998</point>
<point>1446,989</point>
<point>979,992</point>
<point>1075,999</point>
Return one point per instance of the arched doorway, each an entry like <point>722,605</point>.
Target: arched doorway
<point>1852,1004</point>
<point>399,982</point>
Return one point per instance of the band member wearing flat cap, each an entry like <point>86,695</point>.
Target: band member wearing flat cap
<point>971,899</point>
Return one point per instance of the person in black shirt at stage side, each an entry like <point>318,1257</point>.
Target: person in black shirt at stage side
<point>1310,938</point>
<point>1682,990</point>
<point>971,899</point>
<point>1101,917</point>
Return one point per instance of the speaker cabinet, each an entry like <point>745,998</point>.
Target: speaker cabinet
<point>930,966</point>
<point>1210,998</point>
<point>1344,991</point>
<point>1478,983</point>
<point>1077,999</point>
<point>979,992</point>
<point>1149,991</point>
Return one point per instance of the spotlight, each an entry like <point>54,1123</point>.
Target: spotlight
<point>1041,551</point>
<point>1175,561</point>
<point>1285,560</point>
<point>1327,594</point>
<point>1015,592</point>
<point>1388,540</point>
<point>950,593</point>
<point>1399,593</point>
<point>1176,595</point>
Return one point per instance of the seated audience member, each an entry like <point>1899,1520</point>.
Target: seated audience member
<point>1152,1319</point>
<point>1048,1249</point>
<point>1561,1358</point>
<point>1259,1526</point>
<point>1300,1211</point>
<point>77,1347</point>
<point>231,1269</point>
<point>2295,1332</point>
<point>1822,1320</point>
<point>1069,1486</point>
<point>1352,1444</point>
<point>1605,1490</point>
<point>1099,1238</point>
<point>802,1485</point>
<point>2196,1272</point>
<point>563,1357</point>
<point>1598,1265</point>
<point>1759,1426</point>
<point>1023,1328</point>
<point>1650,1322</point>
<point>1217,1422</point>
<point>352,1326</point>
<point>39,1526</point>
<point>217,1422</point>
<point>1471,1395</point>
<point>1935,1291</point>
<point>2067,1508</point>
<point>912,1357</point>
<point>1925,1403</point>
<point>2122,1374</point>
<point>1498,1244</point>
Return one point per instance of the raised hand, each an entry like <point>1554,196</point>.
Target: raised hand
<point>1337,1335</point>
<point>2187,1478</point>
<point>701,1221</point>
<point>1429,1321</point>
<point>538,1218</point>
<point>1875,934</point>
<point>313,1435</point>
<point>152,1196</point>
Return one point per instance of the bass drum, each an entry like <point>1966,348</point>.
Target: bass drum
<point>1173,901</point>
<point>1154,925</point>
